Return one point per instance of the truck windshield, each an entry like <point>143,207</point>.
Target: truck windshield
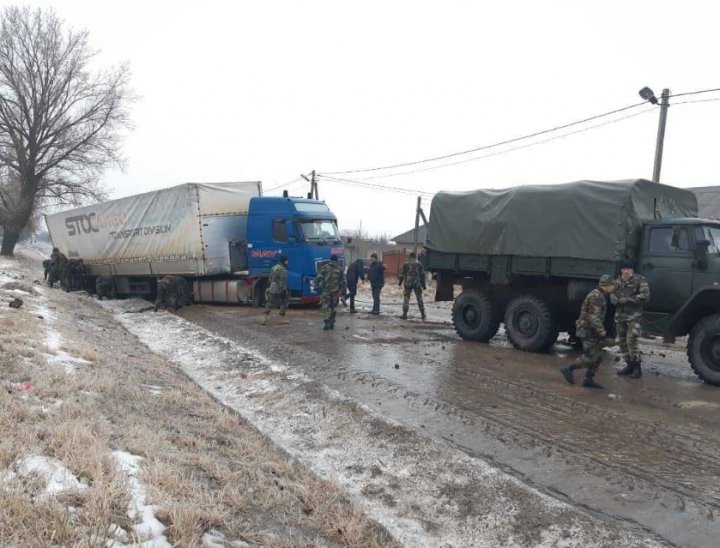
<point>320,230</point>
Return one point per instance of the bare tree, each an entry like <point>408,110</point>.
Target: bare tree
<point>61,122</point>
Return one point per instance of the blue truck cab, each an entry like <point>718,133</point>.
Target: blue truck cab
<point>304,230</point>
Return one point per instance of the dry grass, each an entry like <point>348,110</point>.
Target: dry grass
<point>204,467</point>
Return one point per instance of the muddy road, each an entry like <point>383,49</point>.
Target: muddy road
<point>643,454</point>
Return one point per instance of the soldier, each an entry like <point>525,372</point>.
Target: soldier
<point>81,270</point>
<point>46,269</point>
<point>590,327</point>
<point>632,292</point>
<point>276,295</point>
<point>355,272</point>
<point>412,278</point>
<point>376,275</point>
<point>331,280</point>
<point>172,293</point>
<point>105,287</point>
<point>56,261</point>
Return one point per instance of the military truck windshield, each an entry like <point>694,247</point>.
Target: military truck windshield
<point>320,230</point>
<point>305,207</point>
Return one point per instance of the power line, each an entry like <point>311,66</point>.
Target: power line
<point>375,186</point>
<point>694,92</point>
<point>695,101</point>
<point>534,143</point>
<point>485,147</point>
<point>284,184</point>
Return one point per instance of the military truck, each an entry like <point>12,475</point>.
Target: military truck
<point>528,256</point>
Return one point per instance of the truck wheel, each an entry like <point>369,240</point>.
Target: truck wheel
<point>259,293</point>
<point>529,324</point>
<point>473,317</point>
<point>704,349</point>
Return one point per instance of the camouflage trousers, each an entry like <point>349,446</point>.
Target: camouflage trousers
<point>628,333</point>
<point>407,292</point>
<point>329,302</point>
<point>276,300</point>
<point>53,275</point>
<point>105,287</point>
<point>591,356</point>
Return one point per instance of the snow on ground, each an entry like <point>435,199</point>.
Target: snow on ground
<point>149,530</point>
<point>52,474</point>
<point>419,489</point>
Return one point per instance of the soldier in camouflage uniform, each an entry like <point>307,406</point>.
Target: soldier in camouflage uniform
<point>172,293</point>
<point>590,327</point>
<point>46,269</point>
<point>632,293</point>
<point>331,280</point>
<point>57,259</point>
<point>276,295</point>
<point>412,278</point>
<point>105,287</point>
<point>81,271</point>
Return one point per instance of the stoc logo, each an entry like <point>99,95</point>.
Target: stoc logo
<point>80,223</point>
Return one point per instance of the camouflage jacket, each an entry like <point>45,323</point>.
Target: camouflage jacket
<point>331,278</point>
<point>590,324</point>
<point>630,296</point>
<point>413,274</point>
<point>57,258</point>
<point>278,279</point>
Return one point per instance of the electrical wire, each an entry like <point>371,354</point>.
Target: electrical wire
<point>284,184</point>
<point>374,186</point>
<point>534,143</point>
<point>485,147</point>
<point>693,92</point>
<point>695,101</point>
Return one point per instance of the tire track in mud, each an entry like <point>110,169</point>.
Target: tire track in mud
<point>512,423</point>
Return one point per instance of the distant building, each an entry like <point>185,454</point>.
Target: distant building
<point>407,239</point>
<point>708,201</point>
<point>361,248</point>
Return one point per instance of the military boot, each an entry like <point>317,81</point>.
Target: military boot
<point>637,370</point>
<point>629,367</point>
<point>589,381</point>
<point>423,315</point>
<point>567,372</point>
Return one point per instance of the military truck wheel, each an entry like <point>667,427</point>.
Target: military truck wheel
<point>258,298</point>
<point>704,349</point>
<point>529,324</point>
<point>473,317</point>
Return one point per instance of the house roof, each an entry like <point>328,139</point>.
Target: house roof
<point>409,236</point>
<point>708,201</point>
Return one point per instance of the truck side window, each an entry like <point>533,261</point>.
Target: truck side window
<point>279,231</point>
<point>661,241</point>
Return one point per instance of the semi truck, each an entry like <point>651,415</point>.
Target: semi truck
<point>224,238</point>
<point>527,256</point>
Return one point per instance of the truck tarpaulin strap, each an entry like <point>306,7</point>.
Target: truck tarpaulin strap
<point>584,220</point>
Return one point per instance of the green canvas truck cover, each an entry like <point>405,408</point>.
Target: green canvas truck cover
<point>584,220</point>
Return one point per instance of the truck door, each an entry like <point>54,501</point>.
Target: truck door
<point>667,262</point>
<point>285,239</point>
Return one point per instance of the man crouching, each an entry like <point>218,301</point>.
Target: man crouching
<point>590,327</point>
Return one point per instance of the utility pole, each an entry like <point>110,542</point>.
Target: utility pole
<point>664,104</point>
<point>313,185</point>
<point>647,94</point>
<point>416,232</point>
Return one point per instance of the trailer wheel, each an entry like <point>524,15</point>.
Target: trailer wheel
<point>529,324</point>
<point>258,298</point>
<point>473,316</point>
<point>704,349</point>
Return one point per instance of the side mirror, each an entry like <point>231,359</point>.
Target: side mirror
<point>349,239</point>
<point>701,253</point>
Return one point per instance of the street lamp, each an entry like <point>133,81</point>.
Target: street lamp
<point>648,95</point>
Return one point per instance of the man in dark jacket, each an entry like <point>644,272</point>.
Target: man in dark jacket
<point>376,275</point>
<point>355,272</point>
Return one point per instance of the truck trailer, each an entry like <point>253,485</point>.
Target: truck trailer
<point>527,257</point>
<point>222,237</point>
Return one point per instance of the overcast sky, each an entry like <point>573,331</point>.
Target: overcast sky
<point>241,90</point>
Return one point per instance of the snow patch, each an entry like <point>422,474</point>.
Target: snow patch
<point>149,530</point>
<point>56,478</point>
<point>53,341</point>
